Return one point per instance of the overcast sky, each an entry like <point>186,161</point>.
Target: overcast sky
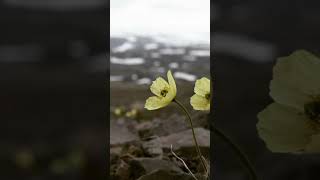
<point>184,18</point>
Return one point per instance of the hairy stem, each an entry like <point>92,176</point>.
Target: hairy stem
<point>193,134</point>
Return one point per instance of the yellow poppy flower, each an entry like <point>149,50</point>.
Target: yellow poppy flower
<point>292,122</point>
<point>201,99</point>
<point>165,92</point>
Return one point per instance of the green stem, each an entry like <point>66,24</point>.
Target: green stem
<point>244,159</point>
<point>193,134</point>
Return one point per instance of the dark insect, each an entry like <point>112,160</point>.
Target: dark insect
<point>164,93</point>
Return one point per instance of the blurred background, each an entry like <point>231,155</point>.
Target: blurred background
<point>148,38</point>
<point>247,38</point>
<point>53,78</point>
<point>54,69</point>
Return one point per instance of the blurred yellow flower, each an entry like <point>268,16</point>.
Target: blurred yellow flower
<point>132,113</point>
<point>118,111</point>
<point>292,122</point>
<point>165,92</point>
<point>201,99</point>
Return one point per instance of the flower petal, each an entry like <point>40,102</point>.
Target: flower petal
<point>295,79</point>
<point>284,129</point>
<point>199,103</point>
<point>154,102</point>
<point>202,86</point>
<point>158,85</point>
<point>172,83</point>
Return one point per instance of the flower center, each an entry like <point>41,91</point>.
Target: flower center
<point>164,93</point>
<point>312,110</point>
<point>207,96</point>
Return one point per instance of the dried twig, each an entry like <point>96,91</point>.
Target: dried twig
<point>185,165</point>
<point>207,166</point>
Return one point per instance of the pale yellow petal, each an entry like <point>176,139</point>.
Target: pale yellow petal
<point>158,85</point>
<point>202,87</point>
<point>172,83</point>
<point>199,102</point>
<point>295,79</point>
<point>154,102</point>
<point>284,129</point>
<point>170,96</point>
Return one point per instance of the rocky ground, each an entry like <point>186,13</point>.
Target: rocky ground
<point>140,140</point>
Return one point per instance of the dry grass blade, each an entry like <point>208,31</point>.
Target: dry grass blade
<point>185,165</point>
<point>207,166</point>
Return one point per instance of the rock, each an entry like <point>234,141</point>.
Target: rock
<point>115,151</point>
<point>122,171</point>
<point>141,166</point>
<point>185,138</point>
<point>153,147</point>
<point>145,129</point>
<point>183,142</point>
<point>114,154</point>
<point>162,127</point>
<point>134,150</point>
<point>200,119</point>
<point>120,133</point>
<point>168,175</point>
<point>175,123</point>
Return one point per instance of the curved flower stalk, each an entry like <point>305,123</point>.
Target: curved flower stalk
<point>292,123</point>
<point>194,135</point>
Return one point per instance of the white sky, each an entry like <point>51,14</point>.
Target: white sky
<point>188,19</point>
